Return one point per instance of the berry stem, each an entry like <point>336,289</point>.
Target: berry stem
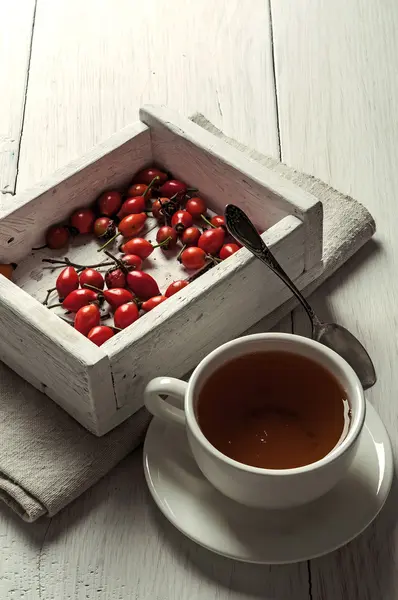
<point>49,292</point>
<point>208,222</point>
<point>63,318</point>
<point>151,185</point>
<point>178,257</point>
<point>164,243</point>
<point>120,264</point>
<point>68,263</point>
<point>92,287</point>
<point>164,212</point>
<point>112,256</point>
<point>109,242</point>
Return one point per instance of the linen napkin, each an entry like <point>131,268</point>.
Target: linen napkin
<point>47,459</point>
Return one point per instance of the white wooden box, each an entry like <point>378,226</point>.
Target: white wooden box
<point>100,387</point>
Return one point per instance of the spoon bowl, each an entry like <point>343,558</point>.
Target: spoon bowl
<point>335,336</point>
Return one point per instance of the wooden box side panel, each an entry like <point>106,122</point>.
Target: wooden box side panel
<point>108,165</point>
<point>54,357</point>
<point>216,307</point>
<point>225,175</point>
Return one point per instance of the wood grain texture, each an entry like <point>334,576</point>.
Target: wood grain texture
<point>20,553</point>
<point>336,68</point>
<point>93,66</point>
<point>131,551</point>
<point>167,336</point>
<point>225,174</point>
<point>16,21</point>
<point>55,358</point>
<point>107,165</point>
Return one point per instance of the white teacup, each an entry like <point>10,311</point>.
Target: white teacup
<point>253,486</point>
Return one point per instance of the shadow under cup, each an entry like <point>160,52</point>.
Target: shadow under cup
<point>234,464</point>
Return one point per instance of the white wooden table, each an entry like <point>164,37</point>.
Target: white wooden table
<point>313,82</point>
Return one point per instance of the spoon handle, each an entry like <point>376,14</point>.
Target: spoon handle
<point>243,230</point>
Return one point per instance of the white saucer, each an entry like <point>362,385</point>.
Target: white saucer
<point>199,511</point>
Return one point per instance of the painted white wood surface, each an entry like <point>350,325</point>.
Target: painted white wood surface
<point>336,69</point>
<point>92,67</point>
<point>185,147</point>
<point>94,63</point>
<point>337,83</point>
<point>16,20</point>
<point>220,304</point>
<point>109,165</point>
<point>55,357</point>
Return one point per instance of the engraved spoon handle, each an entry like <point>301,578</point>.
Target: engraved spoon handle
<point>243,230</point>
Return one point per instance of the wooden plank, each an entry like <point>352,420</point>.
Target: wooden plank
<point>77,184</point>
<point>20,545</point>
<point>88,84</point>
<point>16,20</point>
<point>108,165</point>
<point>56,358</point>
<point>93,66</point>
<point>124,548</point>
<point>222,172</point>
<point>227,300</point>
<point>19,542</point>
<point>337,86</point>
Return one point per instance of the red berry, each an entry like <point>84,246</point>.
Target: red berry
<point>83,220</point>
<point>147,175</point>
<point>211,240</point>
<point>67,281</point>
<point>86,318</point>
<point>196,207</point>
<point>228,250</point>
<point>181,220</point>
<point>158,208</point>
<point>104,227</point>
<point>138,246</point>
<point>100,334</point>
<point>172,187</point>
<point>167,237</point>
<point>153,303</point>
<point>175,287</point>
<point>218,221</point>
<point>138,189</point>
<point>109,203</point>
<point>57,237</point>
<point>91,277</point>
<point>132,206</point>
<point>79,298</point>
<point>142,284</point>
<point>132,224</point>
<point>115,278</point>
<point>190,236</point>
<point>193,258</point>
<point>132,261</point>
<point>117,296</point>
<point>125,315</point>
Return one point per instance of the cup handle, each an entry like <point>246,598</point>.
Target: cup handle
<point>162,408</point>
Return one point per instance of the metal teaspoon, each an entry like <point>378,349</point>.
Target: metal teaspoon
<point>334,336</point>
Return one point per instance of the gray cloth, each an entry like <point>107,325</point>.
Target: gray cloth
<point>47,459</point>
